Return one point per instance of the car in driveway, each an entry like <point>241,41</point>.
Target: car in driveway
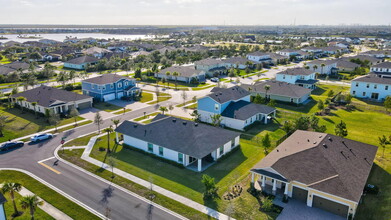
<point>214,79</point>
<point>10,145</point>
<point>41,137</point>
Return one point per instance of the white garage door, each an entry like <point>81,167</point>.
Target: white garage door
<point>120,94</point>
<point>109,97</point>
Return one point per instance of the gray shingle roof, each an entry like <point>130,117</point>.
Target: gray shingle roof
<point>208,62</point>
<point>187,137</point>
<point>383,65</point>
<point>94,50</point>
<point>362,58</point>
<point>223,95</point>
<point>278,88</point>
<point>106,79</point>
<point>243,110</point>
<point>237,60</point>
<point>83,59</point>
<point>257,53</point>
<point>297,71</point>
<point>185,71</point>
<point>319,62</point>
<point>48,96</point>
<point>325,162</point>
<point>373,78</point>
<point>347,64</point>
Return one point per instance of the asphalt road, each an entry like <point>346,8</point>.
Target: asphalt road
<point>96,194</point>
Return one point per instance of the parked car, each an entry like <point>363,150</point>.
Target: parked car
<point>11,145</point>
<point>214,79</point>
<point>41,137</point>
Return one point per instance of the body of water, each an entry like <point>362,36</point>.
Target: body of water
<point>61,37</point>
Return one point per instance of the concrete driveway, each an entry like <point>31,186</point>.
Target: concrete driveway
<point>297,210</point>
<point>90,113</point>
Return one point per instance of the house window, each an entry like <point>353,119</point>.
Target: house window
<point>221,150</point>
<point>150,147</point>
<point>126,83</point>
<point>386,88</point>
<point>111,86</point>
<point>161,151</point>
<point>180,157</point>
<point>216,107</point>
<point>103,87</point>
<point>119,85</point>
<point>283,77</point>
<point>356,84</point>
<point>367,85</point>
<point>354,92</point>
<point>375,86</point>
<point>93,86</point>
<point>364,93</point>
<point>233,143</point>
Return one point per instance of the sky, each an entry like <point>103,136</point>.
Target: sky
<point>196,12</point>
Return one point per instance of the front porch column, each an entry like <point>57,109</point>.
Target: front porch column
<point>265,119</point>
<point>199,165</point>
<point>274,114</point>
<point>116,137</point>
<point>286,189</point>
<point>252,177</point>
<point>274,187</point>
<point>263,180</point>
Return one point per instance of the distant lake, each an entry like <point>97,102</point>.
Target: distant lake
<point>61,37</point>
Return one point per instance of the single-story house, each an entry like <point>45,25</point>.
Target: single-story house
<point>211,66</point>
<point>321,170</point>
<point>186,74</point>
<point>235,108</point>
<point>96,52</point>
<point>109,86</point>
<point>58,100</point>
<point>13,67</point>
<point>362,58</point>
<point>237,62</point>
<point>346,66</point>
<point>80,63</point>
<point>372,86</point>
<point>280,91</point>
<point>194,145</point>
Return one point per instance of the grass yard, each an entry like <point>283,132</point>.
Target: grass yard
<point>192,106</point>
<point>105,106</point>
<point>82,141</point>
<point>20,124</point>
<point>202,88</point>
<point>122,111</point>
<point>146,97</point>
<point>183,104</point>
<point>160,99</point>
<point>60,202</point>
<point>146,116</point>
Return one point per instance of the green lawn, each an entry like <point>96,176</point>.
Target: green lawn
<point>202,88</point>
<point>146,116</point>
<point>192,106</point>
<point>20,124</point>
<point>181,105</point>
<point>160,99</point>
<point>82,141</point>
<point>122,112</point>
<point>105,106</point>
<point>60,202</point>
<point>146,97</point>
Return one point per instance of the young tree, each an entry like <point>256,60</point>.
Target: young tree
<point>170,107</point>
<point>184,96</point>
<point>210,186</point>
<point>271,103</point>
<point>116,122</point>
<point>348,98</point>
<point>167,76</point>
<point>163,109</point>
<point>98,120</point>
<point>34,104</point>
<point>112,163</point>
<point>302,123</point>
<point>383,142</point>
<point>74,113</point>
<point>341,130</point>
<point>3,121</point>
<point>12,188</point>
<point>196,116</point>
<point>30,202</point>
<point>287,127</point>
<point>20,99</point>
<point>266,143</point>
<point>216,119</point>
<point>108,131</point>
<point>54,119</point>
<point>176,74</point>
<point>387,103</point>
<point>330,93</point>
<point>320,105</point>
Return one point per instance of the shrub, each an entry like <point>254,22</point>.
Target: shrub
<point>267,204</point>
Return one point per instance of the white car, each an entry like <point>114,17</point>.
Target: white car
<point>41,137</point>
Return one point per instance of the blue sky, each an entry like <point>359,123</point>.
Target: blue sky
<point>195,12</point>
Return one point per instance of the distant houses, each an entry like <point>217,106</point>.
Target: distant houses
<point>80,63</point>
<point>108,87</point>
<point>235,108</point>
<point>194,145</point>
<point>300,76</point>
<point>96,52</point>
<point>186,74</point>
<point>259,57</point>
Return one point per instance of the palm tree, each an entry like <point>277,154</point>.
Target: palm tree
<point>11,188</point>
<point>30,202</point>
<point>176,74</point>
<point>383,142</point>
<point>163,109</point>
<point>34,104</point>
<point>20,100</point>
<point>108,131</point>
<point>322,66</point>
<point>315,67</point>
<point>63,78</point>
<point>116,122</point>
<point>267,88</point>
<point>167,75</point>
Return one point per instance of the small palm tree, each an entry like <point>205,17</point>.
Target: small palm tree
<point>267,88</point>
<point>167,75</point>
<point>34,104</point>
<point>315,67</point>
<point>30,202</point>
<point>176,74</point>
<point>322,66</point>
<point>108,131</point>
<point>11,188</point>
<point>116,122</point>
<point>20,100</point>
<point>163,109</point>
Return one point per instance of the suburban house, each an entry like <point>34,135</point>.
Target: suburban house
<point>331,50</point>
<point>16,66</point>
<point>346,66</point>
<point>280,91</point>
<point>211,66</point>
<point>299,76</point>
<point>372,86</point>
<point>186,74</point>
<point>235,108</point>
<point>259,57</point>
<point>277,58</point>
<point>2,209</point>
<point>321,170</point>
<point>377,53</point>
<point>96,52</point>
<point>109,86</point>
<point>330,66</point>
<point>382,69</point>
<point>195,146</point>
<point>363,58</point>
<point>288,52</point>
<point>58,100</point>
<point>315,51</point>
<point>340,44</point>
<point>80,63</point>
<point>236,62</point>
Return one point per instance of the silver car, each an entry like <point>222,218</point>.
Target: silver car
<point>41,137</point>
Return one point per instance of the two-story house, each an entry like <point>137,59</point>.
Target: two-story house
<point>288,52</point>
<point>108,87</point>
<point>235,108</point>
<point>259,57</point>
<point>185,74</point>
<point>211,66</point>
<point>299,76</point>
<point>382,69</point>
<point>326,67</point>
<point>315,51</point>
<point>373,86</point>
<point>237,62</point>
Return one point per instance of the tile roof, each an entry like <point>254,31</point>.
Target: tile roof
<point>329,163</point>
<point>48,96</point>
<point>82,59</point>
<point>278,88</point>
<point>222,95</point>
<point>373,78</point>
<point>243,110</point>
<point>184,71</point>
<point>297,71</point>
<point>187,137</point>
<point>106,79</point>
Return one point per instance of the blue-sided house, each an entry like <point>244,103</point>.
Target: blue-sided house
<point>235,108</point>
<point>108,87</point>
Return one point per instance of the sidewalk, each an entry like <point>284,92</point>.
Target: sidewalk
<point>204,209</point>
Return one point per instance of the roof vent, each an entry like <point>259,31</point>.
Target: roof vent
<point>308,140</point>
<point>196,124</point>
<point>324,145</point>
<point>315,142</point>
<point>351,151</point>
<point>135,125</point>
<point>174,120</point>
<point>221,93</point>
<point>330,139</point>
<point>184,122</point>
<point>278,150</point>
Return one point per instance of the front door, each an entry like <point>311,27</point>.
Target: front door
<point>375,95</point>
